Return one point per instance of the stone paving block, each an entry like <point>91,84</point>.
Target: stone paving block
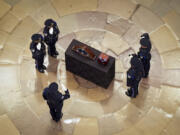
<point>173,20</point>
<point>160,7</point>
<point>146,19</point>
<point>4,8</point>
<point>42,14</point>
<point>163,40</point>
<point>119,66</point>
<point>66,26</point>
<point>87,126</point>
<point>122,8</point>
<point>88,109</point>
<point>12,2</point>
<point>119,27</point>
<point>108,125</point>
<point>8,22</point>
<point>65,7</point>
<point>111,18</point>
<point>146,3</point>
<point>169,99</point>
<point>115,43</point>
<point>154,122</point>
<point>11,55</point>
<point>3,38</point>
<point>7,127</point>
<point>91,20</point>
<point>175,5</point>
<point>171,59</point>
<point>9,77</point>
<point>27,7</point>
<point>171,77</point>
<point>21,36</point>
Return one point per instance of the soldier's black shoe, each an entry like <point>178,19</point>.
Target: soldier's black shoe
<point>56,53</point>
<point>128,94</point>
<point>54,56</point>
<point>44,67</point>
<point>41,70</point>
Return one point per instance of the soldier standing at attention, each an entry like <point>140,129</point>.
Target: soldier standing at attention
<point>144,53</point>
<point>55,100</point>
<point>134,75</point>
<point>51,32</point>
<point>38,50</point>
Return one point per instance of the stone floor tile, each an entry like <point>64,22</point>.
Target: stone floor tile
<point>65,41</point>
<point>108,125</point>
<point>27,7</point>
<point>128,116</point>
<point>175,5</point>
<point>11,55</point>
<point>154,122</point>
<point>8,22</point>
<point>122,8</point>
<point>172,128</point>
<point>9,77</point>
<point>64,7</point>
<point>21,36</point>
<point>4,8</point>
<point>170,59</point>
<point>173,20</point>
<point>84,108</point>
<point>2,108</point>
<point>111,18</point>
<point>37,104</point>
<point>171,77</point>
<point>130,131</point>
<point>160,7</point>
<point>3,38</point>
<point>115,43</point>
<point>86,126</point>
<point>169,99</point>
<point>12,2</point>
<point>118,27</point>
<point>146,19</point>
<point>146,3</point>
<point>7,127</point>
<point>66,26</point>
<point>42,14</point>
<point>163,39</point>
<point>119,66</point>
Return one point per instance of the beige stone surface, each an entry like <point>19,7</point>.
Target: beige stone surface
<point>115,43</point>
<point>4,8</point>
<point>45,12</point>
<point>173,20</point>
<point>146,3</point>
<point>65,7</point>
<point>175,5</point>
<point>122,8</point>
<point>9,77</point>
<point>8,22</point>
<point>12,2</point>
<point>27,7</point>
<point>3,38</point>
<point>169,99</point>
<point>146,19</point>
<point>7,127</point>
<point>86,126</point>
<point>119,66</point>
<point>171,59</point>
<point>163,39</point>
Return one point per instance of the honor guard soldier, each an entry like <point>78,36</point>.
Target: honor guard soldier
<point>38,50</point>
<point>55,100</point>
<point>51,32</point>
<point>134,75</point>
<point>144,53</point>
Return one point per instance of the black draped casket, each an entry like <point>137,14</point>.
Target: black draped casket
<point>84,61</point>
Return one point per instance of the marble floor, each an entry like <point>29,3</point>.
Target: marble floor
<point>111,26</point>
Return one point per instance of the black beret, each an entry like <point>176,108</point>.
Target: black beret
<point>48,22</point>
<point>145,35</point>
<point>36,37</point>
<point>53,86</point>
<point>145,42</point>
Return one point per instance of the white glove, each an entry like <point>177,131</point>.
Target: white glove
<point>39,46</point>
<point>51,30</point>
<point>63,87</point>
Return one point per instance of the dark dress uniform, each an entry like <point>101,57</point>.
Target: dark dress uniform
<point>144,53</point>
<point>55,100</point>
<point>38,50</point>
<point>51,37</point>
<point>134,75</point>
